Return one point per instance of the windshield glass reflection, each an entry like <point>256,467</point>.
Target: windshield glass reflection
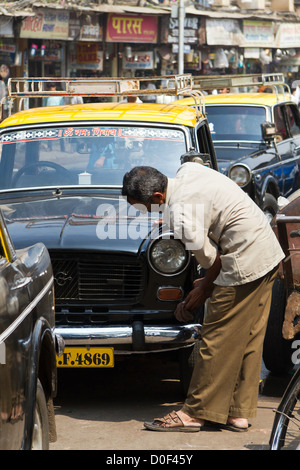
<point>86,155</point>
<point>236,122</point>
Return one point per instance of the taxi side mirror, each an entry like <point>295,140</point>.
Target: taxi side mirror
<point>195,157</point>
<point>268,131</point>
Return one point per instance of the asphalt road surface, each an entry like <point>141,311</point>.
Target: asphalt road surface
<point>105,410</point>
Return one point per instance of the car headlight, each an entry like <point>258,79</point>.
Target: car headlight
<point>168,256</point>
<point>240,175</point>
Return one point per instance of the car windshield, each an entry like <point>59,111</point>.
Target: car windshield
<point>236,122</point>
<point>85,154</point>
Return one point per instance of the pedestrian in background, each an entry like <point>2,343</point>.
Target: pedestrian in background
<point>4,74</point>
<point>149,98</point>
<point>53,100</point>
<point>295,95</point>
<point>74,100</point>
<point>232,239</point>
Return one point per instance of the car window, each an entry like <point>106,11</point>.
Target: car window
<point>236,122</point>
<point>293,119</point>
<point>280,122</point>
<point>86,154</point>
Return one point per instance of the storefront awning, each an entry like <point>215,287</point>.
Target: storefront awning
<point>25,8</point>
<point>255,14</point>
<point>105,8</point>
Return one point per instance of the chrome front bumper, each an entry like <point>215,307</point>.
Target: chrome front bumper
<point>131,338</point>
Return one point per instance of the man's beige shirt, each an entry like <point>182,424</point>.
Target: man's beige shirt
<point>209,212</point>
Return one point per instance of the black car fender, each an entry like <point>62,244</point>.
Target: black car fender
<point>42,352</point>
<point>269,186</point>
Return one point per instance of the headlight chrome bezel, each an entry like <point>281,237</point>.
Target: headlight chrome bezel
<point>168,242</point>
<point>244,177</point>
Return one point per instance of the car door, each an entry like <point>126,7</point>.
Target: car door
<point>291,161</point>
<point>205,145</point>
<point>15,333</point>
<point>283,144</point>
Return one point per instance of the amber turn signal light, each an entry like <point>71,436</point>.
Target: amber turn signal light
<point>169,293</point>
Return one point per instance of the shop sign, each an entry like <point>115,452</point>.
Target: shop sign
<point>49,24</point>
<point>91,29</point>
<point>139,60</point>
<point>90,32</point>
<point>223,32</point>
<point>170,30</point>
<point>131,28</point>
<point>252,53</point>
<point>258,33</point>
<point>7,54</point>
<point>46,53</point>
<point>88,56</point>
<point>87,53</point>
<point>191,27</point>
<point>288,35</point>
<point>85,27</point>
<point>186,48</point>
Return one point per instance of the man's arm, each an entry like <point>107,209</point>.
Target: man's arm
<point>203,287</point>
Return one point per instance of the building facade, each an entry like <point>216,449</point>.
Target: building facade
<point>139,38</point>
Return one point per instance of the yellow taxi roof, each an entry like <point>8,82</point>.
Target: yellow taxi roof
<point>261,99</point>
<point>173,113</point>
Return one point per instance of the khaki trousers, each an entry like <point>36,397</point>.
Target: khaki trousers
<point>226,377</point>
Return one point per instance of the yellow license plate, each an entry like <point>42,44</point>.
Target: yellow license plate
<point>86,357</point>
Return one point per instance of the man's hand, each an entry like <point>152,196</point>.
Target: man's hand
<point>202,290</point>
<point>182,314</point>
<point>203,287</point>
<point>198,295</point>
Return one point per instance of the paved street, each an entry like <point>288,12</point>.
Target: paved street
<point>105,409</point>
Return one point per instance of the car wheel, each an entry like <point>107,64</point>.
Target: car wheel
<point>270,206</point>
<point>40,433</point>
<point>277,352</point>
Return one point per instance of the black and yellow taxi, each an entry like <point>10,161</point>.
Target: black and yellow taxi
<point>118,274</point>
<point>256,134</point>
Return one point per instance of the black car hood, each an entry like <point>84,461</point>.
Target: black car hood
<point>230,153</point>
<point>79,223</point>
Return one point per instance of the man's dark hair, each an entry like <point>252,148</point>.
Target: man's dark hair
<point>142,181</point>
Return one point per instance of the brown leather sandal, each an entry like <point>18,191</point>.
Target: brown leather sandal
<point>232,427</point>
<point>170,423</point>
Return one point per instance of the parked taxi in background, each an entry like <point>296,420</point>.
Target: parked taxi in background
<point>256,135</point>
<point>118,274</point>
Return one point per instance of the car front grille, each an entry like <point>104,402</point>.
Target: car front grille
<point>96,279</point>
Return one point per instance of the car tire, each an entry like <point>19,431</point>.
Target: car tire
<point>277,351</point>
<point>40,432</point>
<point>270,206</point>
